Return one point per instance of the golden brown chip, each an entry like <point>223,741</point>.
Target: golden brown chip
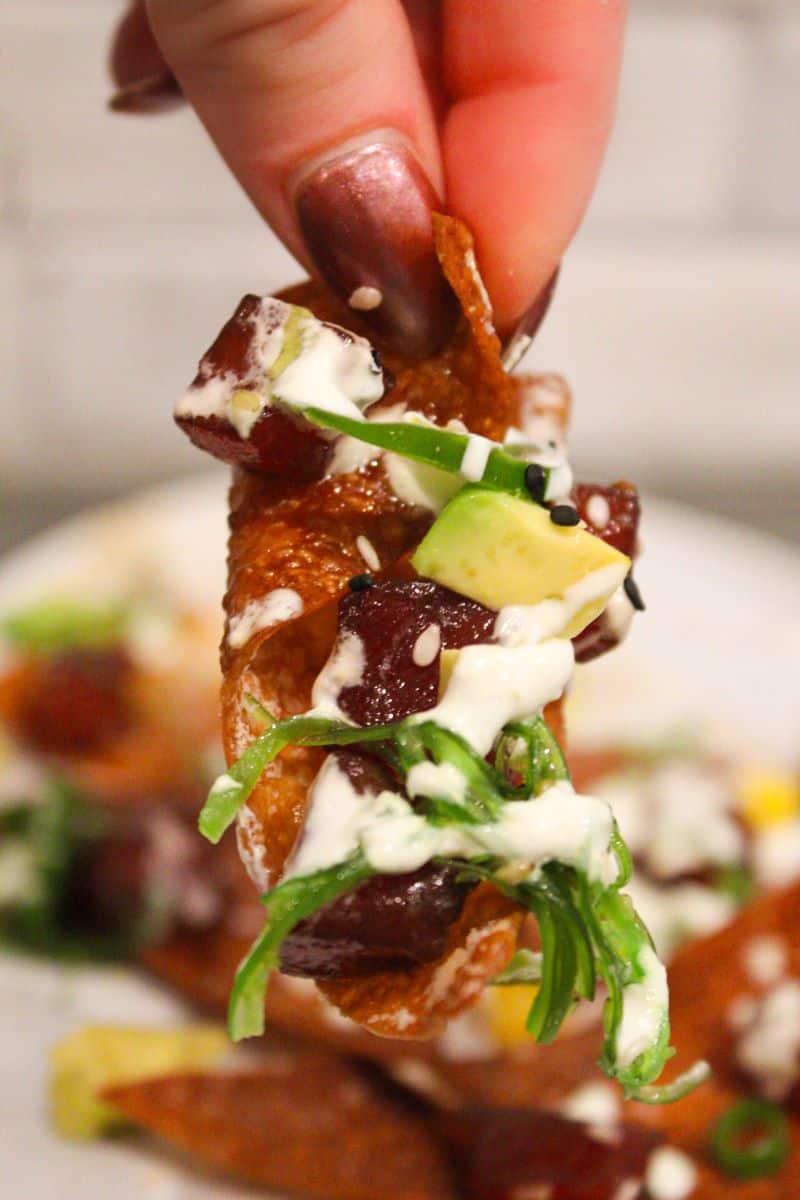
<point>419,1002</point>
<point>706,977</point>
<point>303,1123</point>
<point>303,536</point>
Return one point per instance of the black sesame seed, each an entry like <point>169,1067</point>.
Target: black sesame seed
<point>360,583</point>
<point>535,480</point>
<point>564,514</point>
<point>633,593</point>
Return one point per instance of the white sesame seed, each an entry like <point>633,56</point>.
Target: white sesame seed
<point>670,1174</point>
<point>364,299</point>
<point>368,553</point>
<point>597,511</point>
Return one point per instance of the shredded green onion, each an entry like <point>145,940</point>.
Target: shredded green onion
<point>668,1093</point>
<point>287,905</point>
<point>751,1139</point>
<point>588,930</point>
<point>525,967</point>
<point>61,624</point>
<point>231,790</point>
<point>435,447</point>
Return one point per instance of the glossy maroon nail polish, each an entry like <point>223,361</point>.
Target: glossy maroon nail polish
<point>365,215</point>
<point>155,93</point>
<point>517,345</point>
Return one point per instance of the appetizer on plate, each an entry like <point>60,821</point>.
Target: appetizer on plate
<point>481,1111</point>
<point>412,575</point>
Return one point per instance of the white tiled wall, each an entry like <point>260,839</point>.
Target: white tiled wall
<point>682,117</point>
<point>124,243</point>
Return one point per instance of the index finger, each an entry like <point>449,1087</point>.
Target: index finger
<point>533,87</point>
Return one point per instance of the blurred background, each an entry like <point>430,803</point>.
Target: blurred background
<point>124,245</point>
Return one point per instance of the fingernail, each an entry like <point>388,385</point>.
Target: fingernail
<point>151,94</point>
<point>365,215</point>
<point>517,345</point>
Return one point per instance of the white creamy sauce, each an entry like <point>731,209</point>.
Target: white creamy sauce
<point>427,646</point>
<point>223,783</point>
<point>333,372</point>
<point>548,452</point>
<point>765,959</point>
<point>492,685</point>
<point>769,1049</point>
<point>368,552</point>
<point>419,485</point>
<point>351,454</point>
<point>333,369</point>
<point>598,511</point>
<point>476,456</point>
<point>776,854</point>
<point>644,1009</point>
<point>344,668</point>
<point>619,614</point>
<point>279,605</point>
<point>596,1104</point>
<point>680,912</point>
<point>527,624</point>
<point>741,1012</point>
<point>440,780</point>
<point>250,844</point>
<point>560,481</point>
<point>559,825</point>
<point>214,396</point>
<point>365,298</point>
<point>467,1038</point>
<point>670,1174</point>
<point>693,824</point>
<point>330,832</point>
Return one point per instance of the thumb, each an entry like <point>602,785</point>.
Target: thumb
<point>320,110</point>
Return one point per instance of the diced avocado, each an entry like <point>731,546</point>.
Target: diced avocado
<point>500,550</point>
<point>99,1057</point>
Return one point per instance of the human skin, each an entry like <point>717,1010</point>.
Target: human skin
<point>347,121</point>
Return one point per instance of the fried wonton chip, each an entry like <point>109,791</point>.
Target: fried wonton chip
<point>304,536</point>
<point>707,977</point>
<point>530,1154</point>
<point>122,734</point>
<point>303,1122</point>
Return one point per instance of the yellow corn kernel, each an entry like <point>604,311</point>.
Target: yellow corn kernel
<point>507,1010</point>
<point>97,1057</point>
<point>767,797</point>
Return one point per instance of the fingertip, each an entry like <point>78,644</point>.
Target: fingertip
<point>134,54</point>
<point>539,149</point>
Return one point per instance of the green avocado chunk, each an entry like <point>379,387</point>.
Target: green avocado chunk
<point>499,550</point>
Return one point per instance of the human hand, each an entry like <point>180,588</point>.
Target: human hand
<point>348,121</point>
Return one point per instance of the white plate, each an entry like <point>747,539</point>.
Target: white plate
<point>719,645</point>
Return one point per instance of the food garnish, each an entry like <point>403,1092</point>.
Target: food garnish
<point>751,1139</point>
<point>453,767</point>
